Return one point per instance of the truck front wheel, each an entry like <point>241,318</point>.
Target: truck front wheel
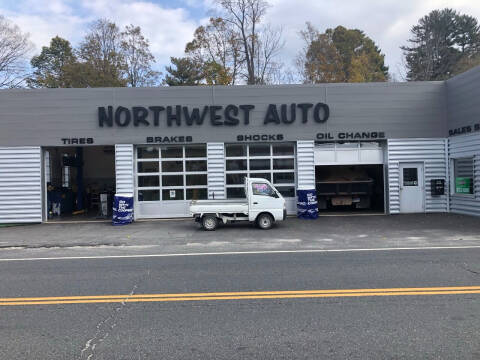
<point>264,221</point>
<point>209,222</point>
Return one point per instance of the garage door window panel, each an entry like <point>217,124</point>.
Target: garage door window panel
<point>283,164</point>
<point>236,178</point>
<point>181,173</point>
<point>196,165</point>
<point>260,164</point>
<point>171,152</point>
<point>148,167</point>
<point>274,162</point>
<point>147,153</point>
<point>148,181</point>
<point>148,195</point>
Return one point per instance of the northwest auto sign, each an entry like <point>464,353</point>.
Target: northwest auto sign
<point>215,115</point>
<point>179,116</point>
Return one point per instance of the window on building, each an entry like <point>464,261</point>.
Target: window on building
<point>66,176</point>
<point>166,173</point>
<point>48,167</point>
<point>274,162</point>
<point>463,175</point>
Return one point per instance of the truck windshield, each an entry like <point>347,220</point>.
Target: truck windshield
<point>262,189</point>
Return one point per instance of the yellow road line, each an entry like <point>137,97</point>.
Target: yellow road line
<point>240,295</point>
<point>204,298</point>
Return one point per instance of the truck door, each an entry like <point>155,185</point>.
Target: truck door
<point>263,198</point>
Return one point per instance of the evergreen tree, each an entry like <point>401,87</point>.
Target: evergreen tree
<point>441,40</point>
<point>184,71</point>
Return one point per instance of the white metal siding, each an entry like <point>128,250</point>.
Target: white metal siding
<point>20,185</point>
<point>430,152</point>
<point>124,172</point>
<point>305,164</point>
<point>466,146</point>
<point>216,170</point>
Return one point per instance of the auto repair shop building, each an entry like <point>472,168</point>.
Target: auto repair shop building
<point>168,145</point>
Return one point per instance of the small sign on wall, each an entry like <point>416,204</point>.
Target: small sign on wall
<point>172,194</point>
<point>463,185</point>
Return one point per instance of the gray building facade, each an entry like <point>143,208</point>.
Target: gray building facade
<point>167,146</point>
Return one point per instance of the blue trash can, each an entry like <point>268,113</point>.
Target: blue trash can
<point>122,209</point>
<point>307,205</point>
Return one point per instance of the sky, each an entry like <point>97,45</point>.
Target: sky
<point>170,24</point>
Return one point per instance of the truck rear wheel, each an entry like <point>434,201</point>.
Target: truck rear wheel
<point>209,222</point>
<point>264,221</point>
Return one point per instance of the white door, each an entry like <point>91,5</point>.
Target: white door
<point>411,188</point>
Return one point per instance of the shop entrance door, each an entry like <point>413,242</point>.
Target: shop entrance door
<point>411,188</point>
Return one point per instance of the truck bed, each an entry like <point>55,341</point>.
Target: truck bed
<point>239,206</point>
<point>345,187</point>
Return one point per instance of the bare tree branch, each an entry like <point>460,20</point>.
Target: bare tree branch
<point>14,48</point>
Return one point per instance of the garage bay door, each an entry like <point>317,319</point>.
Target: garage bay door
<point>348,153</point>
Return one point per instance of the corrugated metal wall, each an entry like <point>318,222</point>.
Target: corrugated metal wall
<point>459,147</point>
<point>124,170</point>
<point>306,164</point>
<point>20,185</point>
<point>216,170</point>
<point>432,153</point>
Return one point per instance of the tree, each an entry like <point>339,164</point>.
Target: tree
<point>52,65</point>
<point>340,55</point>
<point>467,35</point>
<point>216,74</point>
<point>323,62</point>
<point>259,45</point>
<point>138,58</point>
<point>216,46</point>
<point>14,48</point>
<point>466,63</point>
<point>185,71</point>
<point>101,55</point>
<point>440,40</point>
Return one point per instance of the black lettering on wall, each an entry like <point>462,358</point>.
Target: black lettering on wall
<point>246,113</point>
<point>126,117</point>
<point>140,116</point>
<point>272,115</point>
<point>304,107</point>
<point>177,117</point>
<point>214,117</point>
<point>156,114</point>
<point>194,117</point>
<point>321,112</point>
<point>231,111</point>
<point>293,113</point>
<point>104,117</point>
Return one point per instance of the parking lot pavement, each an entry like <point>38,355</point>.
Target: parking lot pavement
<point>185,236</point>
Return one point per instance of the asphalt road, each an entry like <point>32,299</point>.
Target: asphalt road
<point>358,327</point>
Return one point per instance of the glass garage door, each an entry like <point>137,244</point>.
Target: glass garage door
<point>274,162</point>
<point>168,178</point>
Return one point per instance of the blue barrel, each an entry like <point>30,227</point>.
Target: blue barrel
<point>122,209</point>
<point>307,205</point>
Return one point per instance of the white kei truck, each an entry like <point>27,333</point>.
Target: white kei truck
<point>263,205</point>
